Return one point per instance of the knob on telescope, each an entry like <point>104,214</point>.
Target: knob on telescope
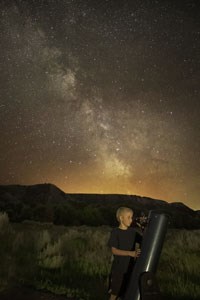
<point>148,286</point>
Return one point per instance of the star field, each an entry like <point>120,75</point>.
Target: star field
<point>101,96</point>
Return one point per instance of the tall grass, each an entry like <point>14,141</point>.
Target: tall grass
<point>75,261</point>
<point>179,267</point>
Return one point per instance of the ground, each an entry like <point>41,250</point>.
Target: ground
<point>30,294</point>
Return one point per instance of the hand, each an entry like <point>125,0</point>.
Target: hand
<point>135,253</point>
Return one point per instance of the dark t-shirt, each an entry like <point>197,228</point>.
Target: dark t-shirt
<point>123,240</point>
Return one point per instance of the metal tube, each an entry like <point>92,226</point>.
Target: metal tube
<point>150,252</point>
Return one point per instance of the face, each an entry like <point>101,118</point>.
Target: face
<point>126,219</point>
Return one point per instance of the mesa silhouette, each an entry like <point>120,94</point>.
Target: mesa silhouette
<point>47,203</point>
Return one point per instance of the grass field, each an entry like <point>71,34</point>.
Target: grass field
<point>75,261</point>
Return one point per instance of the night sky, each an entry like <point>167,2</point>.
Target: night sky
<point>102,96</point>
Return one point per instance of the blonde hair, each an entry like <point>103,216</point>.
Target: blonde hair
<point>121,210</point>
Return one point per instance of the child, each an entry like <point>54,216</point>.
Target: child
<point>122,242</point>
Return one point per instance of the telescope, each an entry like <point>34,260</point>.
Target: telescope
<point>142,283</point>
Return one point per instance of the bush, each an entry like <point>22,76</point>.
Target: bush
<point>4,222</point>
<point>6,261</point>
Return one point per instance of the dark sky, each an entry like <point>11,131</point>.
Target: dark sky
<point>102,96</point>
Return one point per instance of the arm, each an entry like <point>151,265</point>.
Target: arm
<point>119,252</point>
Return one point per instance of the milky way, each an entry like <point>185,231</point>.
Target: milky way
<point>102,96</point>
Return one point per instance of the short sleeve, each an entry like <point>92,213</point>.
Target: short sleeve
<point>113,240</point>
<point>138,238</point>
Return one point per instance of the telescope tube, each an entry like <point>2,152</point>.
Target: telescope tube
<point>150,252</point>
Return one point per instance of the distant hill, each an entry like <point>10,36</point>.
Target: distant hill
<point>47,203</point>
